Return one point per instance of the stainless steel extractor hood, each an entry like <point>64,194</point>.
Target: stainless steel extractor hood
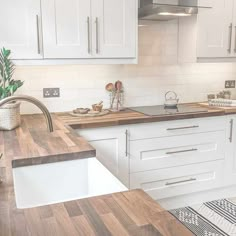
<point>170,9</point>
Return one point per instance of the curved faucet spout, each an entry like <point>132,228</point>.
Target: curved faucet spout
<point>34,101</point>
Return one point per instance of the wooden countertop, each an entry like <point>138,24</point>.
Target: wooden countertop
<point>132,117</point>
<point>32,144</point>
<point>128,213</point>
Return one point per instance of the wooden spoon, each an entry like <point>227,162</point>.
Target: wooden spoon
<point>118,87</point>
<point>110,87</point>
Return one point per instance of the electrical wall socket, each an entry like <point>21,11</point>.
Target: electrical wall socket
<point>51,92</point>
<point>230,84</point>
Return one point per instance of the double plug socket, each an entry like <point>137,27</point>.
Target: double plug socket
<point>51,92</point>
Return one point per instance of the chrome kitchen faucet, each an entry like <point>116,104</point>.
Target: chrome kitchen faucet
<point>34,101</point>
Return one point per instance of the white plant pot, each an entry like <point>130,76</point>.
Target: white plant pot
<point>10,116</point>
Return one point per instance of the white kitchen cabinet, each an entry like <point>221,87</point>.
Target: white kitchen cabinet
<point>172,182</point>
<point>216,30</point>
<point>111,149</point>
<point>114,28</point>
<point>94,31</point>
<point>176,162</point>
<point>89,29</point>
<point>173,161</point>
<point>142,149</point>
<point>176,127</point>
<point>20,27</point>
<point>66,28</point>
<point>157,153</point>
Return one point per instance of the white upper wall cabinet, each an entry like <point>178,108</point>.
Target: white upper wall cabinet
<point>66,28</point>
<point>85,31</point>
<point>20,28</point>
<point>114,28</point>
<point>89,29</point>
<point>216,30</point>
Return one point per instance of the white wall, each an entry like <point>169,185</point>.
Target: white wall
<point>145,83</point>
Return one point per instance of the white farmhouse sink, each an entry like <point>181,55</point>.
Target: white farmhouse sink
<point>62,181</point>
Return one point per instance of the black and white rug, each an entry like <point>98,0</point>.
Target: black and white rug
<point>216,218</point>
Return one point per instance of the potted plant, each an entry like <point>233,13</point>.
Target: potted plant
<point>10,113</point>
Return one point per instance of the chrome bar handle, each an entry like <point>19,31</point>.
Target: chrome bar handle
<point>231,130</point>
<point>186,127</point>
<point>181,181</point>
<point>230,37</point>
<point>126,142</point>
<point>235,39</point>
<point>38,34</point>
<point>182,151</point>
<point>1,180</point>
<point>97,35</point>
<point>89,34</point>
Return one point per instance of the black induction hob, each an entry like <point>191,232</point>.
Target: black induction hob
<point>162,110</point>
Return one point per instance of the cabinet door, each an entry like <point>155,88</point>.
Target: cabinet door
<point>215,30</point>
<point>114,28</point>
<point>110,145</point>
<point>66,28</point>
<point>20,28</point>
<point>233,49</point>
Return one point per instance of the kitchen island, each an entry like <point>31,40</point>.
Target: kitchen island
<point>127,213</point>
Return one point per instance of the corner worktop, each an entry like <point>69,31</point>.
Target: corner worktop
<point>32,144</point>
<point>128,116</point>
<point>127,213</point>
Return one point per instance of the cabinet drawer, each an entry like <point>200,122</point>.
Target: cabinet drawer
<point>157,153</point>
<point>177,127</point>
<point>176,181</point>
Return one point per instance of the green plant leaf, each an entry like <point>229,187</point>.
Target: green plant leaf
<point>8,86</point>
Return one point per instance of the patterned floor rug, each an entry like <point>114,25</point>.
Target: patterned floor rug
<point>216,218</point>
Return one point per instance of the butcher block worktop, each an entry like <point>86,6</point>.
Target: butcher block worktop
<point>32,144</point>
<point>132,117</point>
<point>126,213</point>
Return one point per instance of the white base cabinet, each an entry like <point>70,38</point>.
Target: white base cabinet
<point>165,152</point>
<point>186,179</point>
<point>110,145</point>
<point>173,159</point>
<point>70,30</point>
